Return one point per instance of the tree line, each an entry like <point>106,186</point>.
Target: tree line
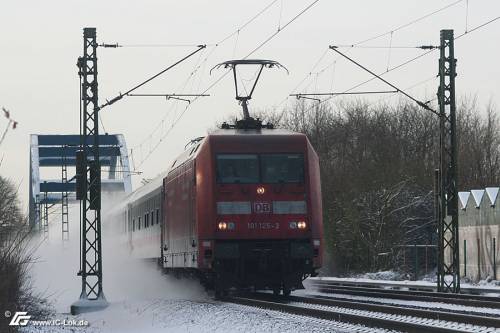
<point>377,170</point>
<point>16,258</point>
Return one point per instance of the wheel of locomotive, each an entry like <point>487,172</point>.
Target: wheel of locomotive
<point>287,291</point>
<point>276,290</point>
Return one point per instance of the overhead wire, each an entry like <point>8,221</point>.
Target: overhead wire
<point>357,44</point>
<point>370,79</point>
<point>247,23</point>
<point>333,75</point>
<point>305,77</point>
<point>236,43</point>
<point>214,47</point>
<point>466,15</point>
<point>390,50</point>
<point>405,63</point>
<point>219,79</point>
<point>434,76</point>
<point>383,73</point>
<point>173,107</point>
<point>411,87</point>
<point>409,23</point>
<point>281,13</point>
<point>478,27</point>
<point>137,86</point>
<point>282,28</point>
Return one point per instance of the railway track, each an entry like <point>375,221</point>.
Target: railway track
<point>402,285</point>
<point>372,315</point>
<point>412,295</point>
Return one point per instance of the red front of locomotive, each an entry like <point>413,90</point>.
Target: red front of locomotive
<point>259,212</point>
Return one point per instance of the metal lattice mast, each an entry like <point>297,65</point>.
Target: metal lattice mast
<point>89,180</point>
<point>64,196</point>
<point>449,260</point>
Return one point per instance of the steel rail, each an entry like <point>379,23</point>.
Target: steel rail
<point>394,310</point>
<point>358,319</point>
<point>426,296</point>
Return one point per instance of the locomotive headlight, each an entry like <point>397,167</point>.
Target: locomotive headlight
<point>222,225</point>
<point>301,225</point>
<point>261,190</point>
<point>293,225</point>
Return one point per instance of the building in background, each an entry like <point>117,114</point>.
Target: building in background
<point>479,233</point>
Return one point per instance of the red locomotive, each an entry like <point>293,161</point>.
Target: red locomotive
<point>240,207</point>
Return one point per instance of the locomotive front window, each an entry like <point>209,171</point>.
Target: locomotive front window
<point>282,168</point>
<point>237,168</point>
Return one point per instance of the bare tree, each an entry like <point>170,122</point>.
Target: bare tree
<point>377,165</point>
<point>16,256</point>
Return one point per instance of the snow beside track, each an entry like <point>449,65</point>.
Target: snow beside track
<point>160,315</point>
<point>489,289</point>
<point>392,301</point>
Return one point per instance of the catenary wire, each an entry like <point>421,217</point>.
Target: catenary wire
<point>373,38</point>
<point>409,23</point>
<point>404,63</point>
<point>221,41</point>
<point>224,74</point>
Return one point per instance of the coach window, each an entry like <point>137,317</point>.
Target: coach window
<point>282,168</point>
<point>152,218</point>
<point>157,216</point>
<point>237,168</point>
<point>139,224</point>
<point>133,225</point>
<point>146,220</point>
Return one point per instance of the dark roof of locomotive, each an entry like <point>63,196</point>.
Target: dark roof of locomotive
<point>264,131</point>
<point>257,137</point>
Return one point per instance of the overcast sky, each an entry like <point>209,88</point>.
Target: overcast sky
<point>41,40</point>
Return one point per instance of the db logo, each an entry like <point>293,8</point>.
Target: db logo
<point>261,207</point>
<point>19,319</point>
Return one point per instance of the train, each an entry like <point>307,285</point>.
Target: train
<point>240,208</point>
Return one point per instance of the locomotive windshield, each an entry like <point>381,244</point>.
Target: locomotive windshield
<point>265,168</point>
<point>237,168</point>
<point>282,168</point>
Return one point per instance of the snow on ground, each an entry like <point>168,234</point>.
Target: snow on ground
<point>429,278</point>
<point>491,288</point>
<point>391,301</point>
<point>143,300</point>
<point>161,315</point>
<point>382,275</point>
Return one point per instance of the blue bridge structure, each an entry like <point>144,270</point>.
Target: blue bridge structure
<point>59,151</point>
